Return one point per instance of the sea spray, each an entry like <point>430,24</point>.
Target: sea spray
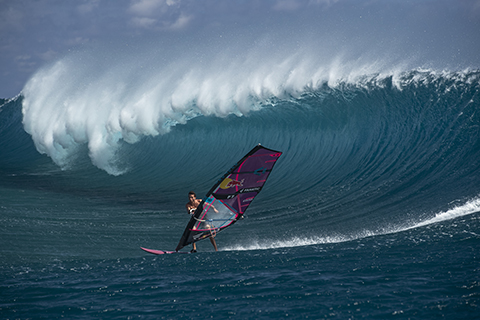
<point>86,98</point>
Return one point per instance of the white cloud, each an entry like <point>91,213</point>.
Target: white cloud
<point>158,14</point>
<point>286,5</point>
<point>293,5</point>
<point>48,55</point>
<point>150,7</point>
<point>25,62</point>
<point>88,6</point>
<point>144,22</point>
<point>76,41</point>
<point>182,22</point>
<point>12,18</point>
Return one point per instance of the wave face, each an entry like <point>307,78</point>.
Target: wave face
<point>363,155</point>
<point>376,191</point>
<point>101,103</point>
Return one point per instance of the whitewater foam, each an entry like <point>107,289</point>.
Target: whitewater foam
<point>102,101</point>
<point>81,100</point>
<point>468,208</point>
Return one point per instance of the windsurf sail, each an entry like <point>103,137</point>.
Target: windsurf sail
<point>229,198</point>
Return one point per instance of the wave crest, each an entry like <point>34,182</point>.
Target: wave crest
<point>81,100</point>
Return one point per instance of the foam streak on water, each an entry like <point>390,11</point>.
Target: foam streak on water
<point>472,206</point>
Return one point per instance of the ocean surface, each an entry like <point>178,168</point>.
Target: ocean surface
<point>373,210</point>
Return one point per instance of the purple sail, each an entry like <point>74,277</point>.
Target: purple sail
<point>230,197</point>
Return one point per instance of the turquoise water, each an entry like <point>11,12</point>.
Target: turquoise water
<point>371,212</point>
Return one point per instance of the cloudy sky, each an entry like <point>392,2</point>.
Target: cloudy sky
<point>34,33</point>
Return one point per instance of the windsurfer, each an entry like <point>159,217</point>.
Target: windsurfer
<point>191,206</point>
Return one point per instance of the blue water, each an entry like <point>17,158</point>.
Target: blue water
<point>371,212</point>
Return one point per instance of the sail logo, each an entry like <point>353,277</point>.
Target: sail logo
<point>229,183</point>
<point>248,190</point>
<point>248,199</point>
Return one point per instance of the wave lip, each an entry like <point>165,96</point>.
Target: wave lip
<point>80,101</point>
<point>87,99</point>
